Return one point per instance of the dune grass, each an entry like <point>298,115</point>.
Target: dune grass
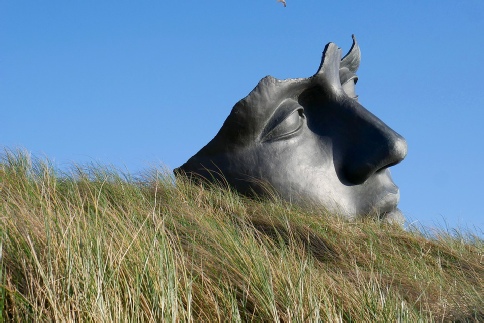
<point>94,244</point>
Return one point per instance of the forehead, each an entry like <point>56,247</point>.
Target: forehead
<point>251,114</point>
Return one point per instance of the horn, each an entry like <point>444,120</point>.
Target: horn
<point>330,63</point>
<point>352,59</point>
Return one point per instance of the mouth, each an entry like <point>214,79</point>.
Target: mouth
<point>388,202</point>
<point>387,210</point>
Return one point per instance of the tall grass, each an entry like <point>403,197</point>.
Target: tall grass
<point>94,244</point>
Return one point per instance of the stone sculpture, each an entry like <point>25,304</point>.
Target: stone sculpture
<point>311,141</point>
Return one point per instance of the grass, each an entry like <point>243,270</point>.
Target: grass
<point>98,245</point>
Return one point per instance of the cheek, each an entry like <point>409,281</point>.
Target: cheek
<point>301,161</point>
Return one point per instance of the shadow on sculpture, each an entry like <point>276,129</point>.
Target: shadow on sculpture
<point>310,140</point>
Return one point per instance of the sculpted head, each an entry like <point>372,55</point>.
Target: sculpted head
<point>311,141</point>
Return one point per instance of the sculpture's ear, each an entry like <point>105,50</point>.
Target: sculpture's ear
<point>352,60</point>
<point>330,64</point>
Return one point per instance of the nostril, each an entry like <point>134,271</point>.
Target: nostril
<point>397,153</point>
<point>358,174</point>
<point>377,155</point>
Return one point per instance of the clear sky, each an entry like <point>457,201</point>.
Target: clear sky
<point>139,84</point>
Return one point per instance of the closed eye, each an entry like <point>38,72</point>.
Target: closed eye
<point>286,123</point>
<point>349,88</point>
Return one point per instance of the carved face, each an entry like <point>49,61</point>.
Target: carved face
<point>311,141</point>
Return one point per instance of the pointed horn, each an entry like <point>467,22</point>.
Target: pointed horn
<point>353,58</point>
<point>330,62</point>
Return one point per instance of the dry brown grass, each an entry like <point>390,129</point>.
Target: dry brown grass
<point>97,245</point>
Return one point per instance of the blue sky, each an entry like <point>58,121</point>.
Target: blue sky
<point>139,84</point>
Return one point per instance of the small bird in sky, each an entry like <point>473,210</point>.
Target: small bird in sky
<point>283,2</point>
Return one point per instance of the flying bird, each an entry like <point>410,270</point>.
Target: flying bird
<point>282,1</point>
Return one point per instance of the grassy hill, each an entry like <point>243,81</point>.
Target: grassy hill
<point>98,245</point>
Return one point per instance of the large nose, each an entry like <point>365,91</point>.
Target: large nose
<point>371,145</point>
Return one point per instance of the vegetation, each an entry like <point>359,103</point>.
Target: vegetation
<point>98,245</point>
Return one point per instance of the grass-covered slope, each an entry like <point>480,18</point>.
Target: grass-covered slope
<point>97,245</point>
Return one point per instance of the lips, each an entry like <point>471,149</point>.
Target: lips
<point>386,207</point>
<point>388,202</point>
